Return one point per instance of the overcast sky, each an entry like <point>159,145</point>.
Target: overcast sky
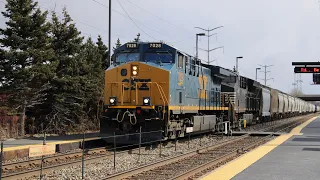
<point>273,32</point>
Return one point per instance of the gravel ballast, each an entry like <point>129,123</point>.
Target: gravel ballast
<point>126,161</point>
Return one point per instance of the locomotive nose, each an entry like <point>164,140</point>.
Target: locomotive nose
<point>136,84</point>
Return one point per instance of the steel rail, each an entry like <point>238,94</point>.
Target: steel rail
<point>214,162</point>
<point>22,169</point>
<point>218,160</point>
<point>169,160</point>
<point>60,156</point>
<point>46,169</point>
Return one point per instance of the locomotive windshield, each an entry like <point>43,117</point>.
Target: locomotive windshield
<point>127,57</point>
<point>158,57</point>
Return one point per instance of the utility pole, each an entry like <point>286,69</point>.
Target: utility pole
<point>109,56</point>
<point>209,35</point>
<point>265,73</point>
<point>297,82</point>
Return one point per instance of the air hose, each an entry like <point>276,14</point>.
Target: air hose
<point>127,112</point>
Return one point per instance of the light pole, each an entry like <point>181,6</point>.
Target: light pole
<point>238,91</point>
<point>199,34</point>
<point>109,55</point>
<point>257,73</point>
<point>240,57</point>
<point>209,35</point>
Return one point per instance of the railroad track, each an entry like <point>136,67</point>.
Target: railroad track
<point>32,167</point>
<point>273,126</point>
<point>195,164</point>
<point>285,125</point>
<point>183,166</point>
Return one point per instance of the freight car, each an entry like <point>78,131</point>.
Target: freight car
<point>153,86</point>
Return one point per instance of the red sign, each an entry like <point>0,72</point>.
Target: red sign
<point>307,69</point>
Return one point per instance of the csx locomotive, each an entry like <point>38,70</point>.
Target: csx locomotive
<point>153,86</point>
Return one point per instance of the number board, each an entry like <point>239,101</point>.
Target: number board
<point>155,45</point>
<point>307,69</point>
<point>132,45</point>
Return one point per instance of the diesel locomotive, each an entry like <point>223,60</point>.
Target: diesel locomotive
<point>155,88</point>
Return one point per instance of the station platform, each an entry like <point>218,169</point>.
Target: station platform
<point>18,148</point>
<point>292,156</point>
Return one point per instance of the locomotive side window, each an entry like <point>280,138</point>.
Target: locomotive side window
<point>180,61</point>
<point>243,83</point>
<point>186,59</point>
<point>193,66</point>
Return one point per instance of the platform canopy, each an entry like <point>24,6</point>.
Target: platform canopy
<point>310,97</point>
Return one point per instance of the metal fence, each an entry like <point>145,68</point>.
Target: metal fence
<point>116,147</point>
<point>139,139</point>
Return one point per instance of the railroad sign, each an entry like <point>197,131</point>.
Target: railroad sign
<point>42,150</point>
<point>307,69</point>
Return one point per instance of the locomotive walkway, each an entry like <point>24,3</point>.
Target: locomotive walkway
<point>293,156</point>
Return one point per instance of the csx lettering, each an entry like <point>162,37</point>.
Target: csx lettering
<point>141,86</point>
<point>203,80</point>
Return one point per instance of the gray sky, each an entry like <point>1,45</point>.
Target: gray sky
<point>269,32</point>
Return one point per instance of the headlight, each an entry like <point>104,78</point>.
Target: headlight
<point>146,101</point>
<point>134,68</point>
<point>113,101</point>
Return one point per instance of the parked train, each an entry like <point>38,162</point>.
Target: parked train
<point>166,93</point>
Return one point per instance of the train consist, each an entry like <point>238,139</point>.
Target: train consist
<point>153,86</point>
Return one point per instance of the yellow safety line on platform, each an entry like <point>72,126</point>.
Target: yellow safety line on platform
<point>236,166</point>
<point>55,142</point>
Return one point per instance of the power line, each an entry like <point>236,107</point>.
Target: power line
<point>265,73</point>
<point>158,16</point>
<point>135,22</point>
<point>100,29</point>
<point>126,16</point>
<point>89,25</point>
<point>209,35</point>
